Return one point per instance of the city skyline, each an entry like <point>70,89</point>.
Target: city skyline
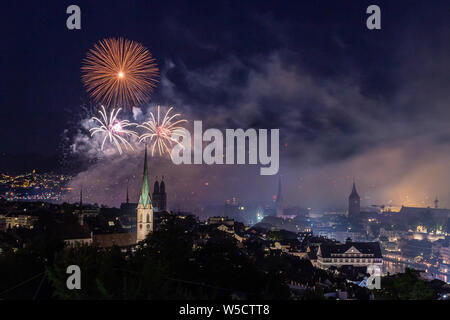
<point>224,157</point>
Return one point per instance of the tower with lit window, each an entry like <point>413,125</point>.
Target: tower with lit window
<point>144,208</point>
<point>354,205</point>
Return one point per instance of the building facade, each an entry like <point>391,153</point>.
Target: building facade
<point>357,254</point>
<point>17,221</point>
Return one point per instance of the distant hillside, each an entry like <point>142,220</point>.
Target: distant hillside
<point>14,164</point>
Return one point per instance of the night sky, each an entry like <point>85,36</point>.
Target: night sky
<point>349,102</point>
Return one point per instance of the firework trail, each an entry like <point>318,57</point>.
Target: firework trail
<point>119,72</point>
<point>161,132</point>
<point>114,129</point>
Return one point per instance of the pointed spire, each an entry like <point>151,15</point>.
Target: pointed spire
<point>80,214</point>
<point>81,199</point>
<point>279,195</point>
<point>436,203</point>
<point>162,186</point>
<point>354,192</point>
<point>156,187</point>
<point>145,198</point>
<point>128,199</point>
<point>279,201</point>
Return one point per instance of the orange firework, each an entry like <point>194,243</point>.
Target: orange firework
<point>119,72</point>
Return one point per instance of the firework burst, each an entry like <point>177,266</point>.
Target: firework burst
<point>119,72</point>
<point>113,129</point>
<point>160,132</point>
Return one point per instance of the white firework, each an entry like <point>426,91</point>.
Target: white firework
<point>161,132</point>
<point>114,130</point>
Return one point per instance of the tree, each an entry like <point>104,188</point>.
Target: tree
<point>404,286</point>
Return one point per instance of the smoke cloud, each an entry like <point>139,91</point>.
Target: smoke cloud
<point>332,131</point>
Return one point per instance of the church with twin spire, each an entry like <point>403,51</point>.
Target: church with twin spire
<point>147,205</point>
